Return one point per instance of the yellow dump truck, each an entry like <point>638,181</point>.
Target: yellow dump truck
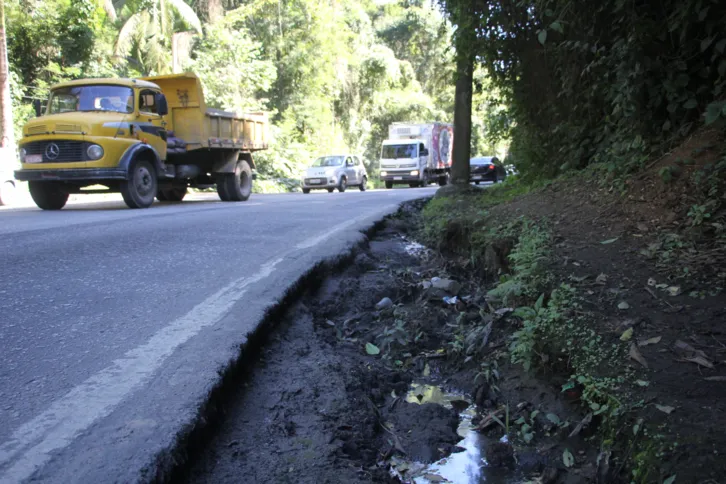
<point>146,138</point>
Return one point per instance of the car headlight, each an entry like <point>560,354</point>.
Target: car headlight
<point>94,152</point>
<point>414,173</point>
<point>22,153</point>
<point>384,173</point>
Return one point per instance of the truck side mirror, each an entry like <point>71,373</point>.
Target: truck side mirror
<point>38,106</point>
<point>162,108</point>
<point>424,152</point>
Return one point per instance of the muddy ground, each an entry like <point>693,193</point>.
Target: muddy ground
<point>317,407</point>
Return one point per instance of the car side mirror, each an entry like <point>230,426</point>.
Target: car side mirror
<point>38,106</point>
<point>162,108</point>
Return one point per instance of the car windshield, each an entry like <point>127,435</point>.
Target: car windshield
<point>399,151</point>
<point>482,161</point>
<point>119,99</point>
<point>329,161</point>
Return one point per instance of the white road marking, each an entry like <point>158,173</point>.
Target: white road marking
<point>96,397</point>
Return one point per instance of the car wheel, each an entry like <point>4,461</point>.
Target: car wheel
<point>414,185</point>
<point>306,191</point>
<point>8,192</point>
<point>389,184</point>
<point>140,189</point>
<point>364,184</point>
<point>342,184</point>
<point>47,195</point>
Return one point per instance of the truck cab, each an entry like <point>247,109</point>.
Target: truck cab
<point>404,161</point>
<point>91,132</point>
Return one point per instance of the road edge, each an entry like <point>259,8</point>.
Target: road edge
<point>172,464</point>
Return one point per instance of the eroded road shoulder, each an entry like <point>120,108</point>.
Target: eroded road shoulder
<point>316,407</point>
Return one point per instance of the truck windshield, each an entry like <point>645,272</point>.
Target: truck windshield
<point>399,151</point>
<point>119,99</point>
<point>329,161</point>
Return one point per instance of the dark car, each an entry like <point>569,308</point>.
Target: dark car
<point>486,168</point>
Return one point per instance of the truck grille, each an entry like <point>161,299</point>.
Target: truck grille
<point>67,150</point>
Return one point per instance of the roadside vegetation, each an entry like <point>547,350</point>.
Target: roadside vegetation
<point>333,75</point>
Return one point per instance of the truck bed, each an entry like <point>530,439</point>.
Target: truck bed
<point>193,126</point>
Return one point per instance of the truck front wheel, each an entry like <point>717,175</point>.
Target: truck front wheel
<point>48,195</point>
<point>141,187</point>
<point>237,186</point>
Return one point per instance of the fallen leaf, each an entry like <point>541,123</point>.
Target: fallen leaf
<point>553,418</point>
<point>684,349</point>
<point>635,355</point>
<point>665,409</point>
<point>434,478</point>
<point>670,480</point>
<point>567,458</point>
<point>372,349</point>
<point>623,305</point>
<point>650,341</point>
<point>715,378</point>
<point>627,334</point>
<point>699,360</point>
<point>642,383</point>
<point>583,423</point>
<point>609,241</point>
<point>673,290</point>
<point>601,279</point>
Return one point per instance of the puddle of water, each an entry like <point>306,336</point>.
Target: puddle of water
<point>414,248</point>
<point>465,467</point>
<point>460,467</point>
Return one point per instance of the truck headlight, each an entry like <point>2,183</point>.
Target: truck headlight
<point>414,173</point>
<point>94,152</point>
<point>22,153</point>
<point>384,173</point>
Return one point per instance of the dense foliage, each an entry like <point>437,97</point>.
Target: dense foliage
<point>332,74</point>
<point>614,81</point>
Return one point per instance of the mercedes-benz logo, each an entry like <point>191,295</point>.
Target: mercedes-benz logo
<point>52,151</point>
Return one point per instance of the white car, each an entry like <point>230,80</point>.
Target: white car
<point>336,171</point>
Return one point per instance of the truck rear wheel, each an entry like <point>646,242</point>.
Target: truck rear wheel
<point>389,184</point>
<point>444,180</point>
<point>141,187</point>
<point>48,195</point>
<point>237,186</point>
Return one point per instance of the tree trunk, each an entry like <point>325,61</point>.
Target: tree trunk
<point>465,38</point>
<point>6,107</point>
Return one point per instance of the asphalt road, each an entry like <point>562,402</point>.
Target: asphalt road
<point>115,323</point>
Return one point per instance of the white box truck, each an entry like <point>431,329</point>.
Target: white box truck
<point>417,154</point>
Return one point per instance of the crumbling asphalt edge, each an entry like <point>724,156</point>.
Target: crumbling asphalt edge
<point>173,463</point>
